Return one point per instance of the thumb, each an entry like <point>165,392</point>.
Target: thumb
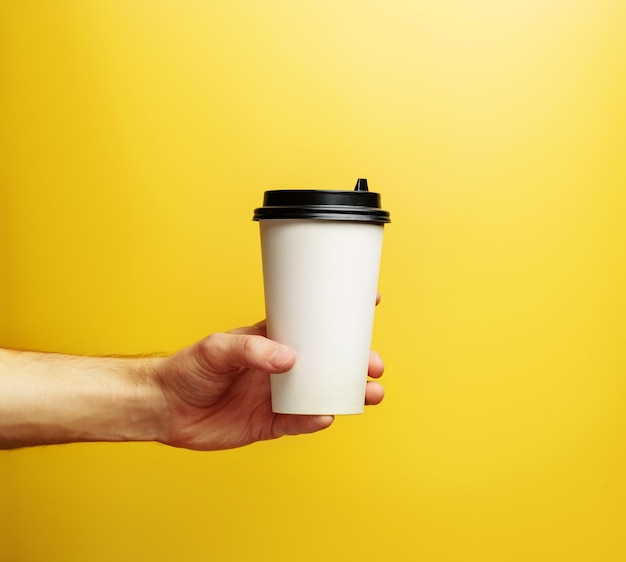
<point>223,353</point>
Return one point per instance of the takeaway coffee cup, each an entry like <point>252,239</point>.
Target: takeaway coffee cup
<point>321,255</point>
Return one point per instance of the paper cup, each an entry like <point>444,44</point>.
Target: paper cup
<point>321,255</point>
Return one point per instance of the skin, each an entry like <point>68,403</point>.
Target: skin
<point>210,396</point>
<point>218,392</point>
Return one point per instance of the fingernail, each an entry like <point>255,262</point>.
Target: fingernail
<point>281,358</point>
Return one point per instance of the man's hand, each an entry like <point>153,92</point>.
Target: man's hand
<point>217,392</point>
<point>212,395</point>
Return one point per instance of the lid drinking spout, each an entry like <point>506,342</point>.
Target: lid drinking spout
<point>361,185</point>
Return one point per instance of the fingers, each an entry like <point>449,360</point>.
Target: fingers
<point>289,424</point>
<point>378,297</point>
<point>258,329</point>
<point>376,366</point>
<point>374,393</point>
<point>223,353</point>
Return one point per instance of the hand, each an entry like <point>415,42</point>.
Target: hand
<point>217,391</point>
<point>212,395</point>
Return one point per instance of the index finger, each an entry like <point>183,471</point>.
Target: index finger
<point>258,329</point>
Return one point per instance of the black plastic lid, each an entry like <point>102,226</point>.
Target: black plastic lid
<point>359,205</point>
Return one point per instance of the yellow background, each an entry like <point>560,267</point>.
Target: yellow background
<point>137,137</point>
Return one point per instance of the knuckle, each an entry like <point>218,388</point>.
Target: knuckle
<point>250,346</point>
<point>210,347</point>
<point>213,341</point>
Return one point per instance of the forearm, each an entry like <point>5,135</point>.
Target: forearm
<point>51,398</point>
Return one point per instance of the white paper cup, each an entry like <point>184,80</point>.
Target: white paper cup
<point>321,254</point>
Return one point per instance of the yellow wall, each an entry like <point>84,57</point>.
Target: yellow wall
<point>135,140</point>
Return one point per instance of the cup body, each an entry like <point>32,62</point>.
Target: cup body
<point>320,282</point>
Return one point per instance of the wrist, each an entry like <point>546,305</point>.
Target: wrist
<point>140,409</point>
<point>52,398</point>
